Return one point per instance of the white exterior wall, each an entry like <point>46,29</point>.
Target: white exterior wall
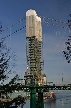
<point>44,79</point>
<point>39,29</point>
<point>33,25</point>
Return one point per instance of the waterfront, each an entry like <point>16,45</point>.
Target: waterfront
<point>63,100</point>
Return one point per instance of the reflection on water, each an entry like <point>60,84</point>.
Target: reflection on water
<point>63,100</point>
<point>50,104</point>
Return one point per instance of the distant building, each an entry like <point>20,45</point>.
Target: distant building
<point>42,79</point>
<point>33,25</point>
<point>34,51</point>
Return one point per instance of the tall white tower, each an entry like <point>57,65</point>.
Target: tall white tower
<point>34,45</point>
<point>33,25</point>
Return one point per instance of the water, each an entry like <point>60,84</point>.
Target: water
<point>63,100</point>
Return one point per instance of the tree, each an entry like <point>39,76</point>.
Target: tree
<point>5,70</point>
<point>67,52</point>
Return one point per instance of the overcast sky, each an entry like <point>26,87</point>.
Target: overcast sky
<point>54,37</point>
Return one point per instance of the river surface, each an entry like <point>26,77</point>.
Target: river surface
<point>63,100</point>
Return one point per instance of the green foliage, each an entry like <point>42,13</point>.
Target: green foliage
<point>67,52</point>
<point>5,69</point>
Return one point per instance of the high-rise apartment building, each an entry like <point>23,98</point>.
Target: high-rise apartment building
<point>34,47</point>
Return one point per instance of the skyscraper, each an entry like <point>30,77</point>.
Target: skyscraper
<point>34,45</point>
